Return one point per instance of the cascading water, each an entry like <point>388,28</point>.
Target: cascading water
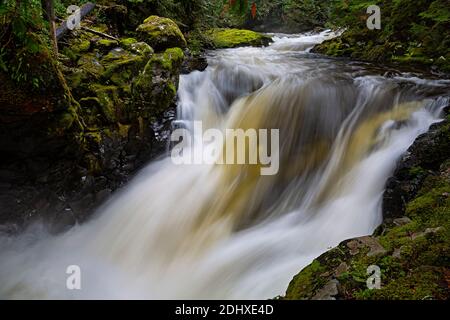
<point>224,231</point>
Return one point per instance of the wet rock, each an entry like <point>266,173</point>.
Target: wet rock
<point>80,207</point>
<point>354,247</point>
<point>402,221</point>
<point>342,268</point>
<point>427,153</point>
<point>194,63</point>
<point>328,291</point>
<point>103,195</point>
<point>397,253</point>
<point>427,231</point>
<point>375,248</point>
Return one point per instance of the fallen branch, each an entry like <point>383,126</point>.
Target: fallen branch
<point>99,33</point>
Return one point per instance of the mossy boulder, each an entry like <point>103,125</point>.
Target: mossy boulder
<point>161,33</point>
<point>232,38</point>
<point>154,90</point>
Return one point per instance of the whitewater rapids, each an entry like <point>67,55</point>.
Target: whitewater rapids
<point>224,231</point>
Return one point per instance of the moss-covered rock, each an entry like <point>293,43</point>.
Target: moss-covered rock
<point>155,89</point>
<point>122,66</point>
<point>232,38</point>
<point>105,45</point>
<point>90,64</point>
<point>127,42</point>
<point>161,33</point>
<point>106,103</point>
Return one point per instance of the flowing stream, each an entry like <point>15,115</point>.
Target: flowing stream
<point>225,231</point>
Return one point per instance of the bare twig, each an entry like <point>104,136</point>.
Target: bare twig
<point>99,33</point>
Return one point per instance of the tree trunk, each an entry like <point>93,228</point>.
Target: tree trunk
<point>49,14</point>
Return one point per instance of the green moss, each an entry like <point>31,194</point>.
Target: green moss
<point>161,33</point>
<point>231,38</point>
<point>91,66</point>
<point>141,48</point>
<point>171,57</point>
<point>432,208</point>
<point>101,28</point>
<point>305,283</point>
<point>81,46</point>
<point>155,88</point>
<point>106,44</point>
<point>127,42</point>
<point>122,66</point>
<point>412,33</point>
<point>107,100</point>
<point>66,120</point>
<point>420,284</point>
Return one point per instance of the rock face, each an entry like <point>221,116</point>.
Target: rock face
<point>411,247</point>
<point>64,160</point>
<point>161,33</point>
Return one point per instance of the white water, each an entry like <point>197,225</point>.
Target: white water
<point>205,231</point>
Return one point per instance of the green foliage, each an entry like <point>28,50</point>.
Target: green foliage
<point>187,12</point>
<point>412,32</point>
<point>307,13</point>
<point>22,37</point>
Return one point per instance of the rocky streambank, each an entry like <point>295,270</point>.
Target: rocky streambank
<point>63,161</point>
<point>410,247</point>
<point>95,114</point>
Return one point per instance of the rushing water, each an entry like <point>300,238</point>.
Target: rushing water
<point>224,231</point>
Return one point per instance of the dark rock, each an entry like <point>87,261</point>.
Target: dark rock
<point>194,63</point>
<point>328,291</point>
<point>427,153</point>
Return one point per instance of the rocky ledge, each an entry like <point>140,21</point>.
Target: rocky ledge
<point>411,247</point>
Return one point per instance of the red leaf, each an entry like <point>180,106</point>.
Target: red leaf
<point>254,10</point>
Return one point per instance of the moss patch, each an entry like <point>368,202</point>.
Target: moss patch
<point>154,90</point>
<point>232,38</point>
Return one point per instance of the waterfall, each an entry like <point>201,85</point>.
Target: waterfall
<point>225,231</point>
